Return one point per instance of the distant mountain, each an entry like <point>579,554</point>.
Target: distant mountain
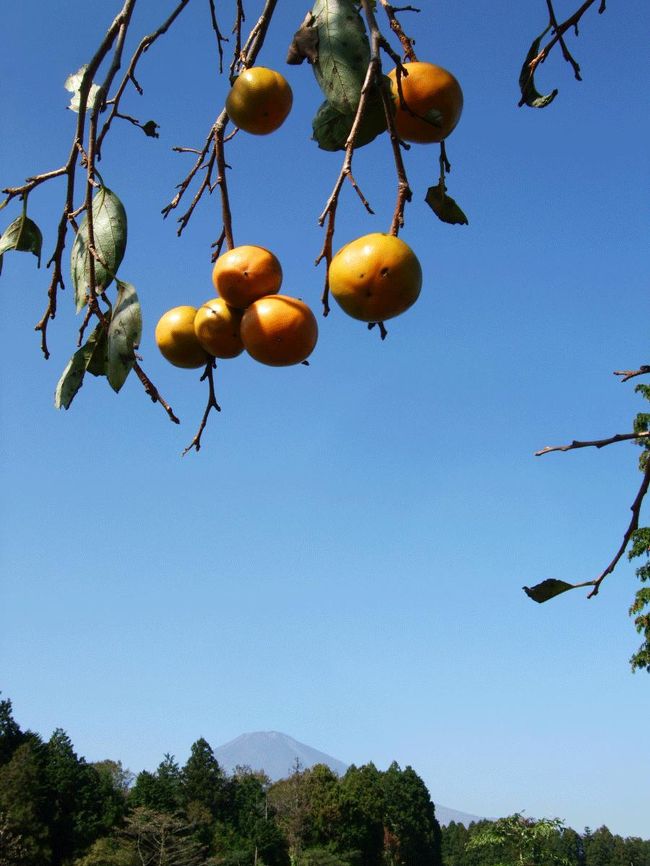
<point>276,754</point>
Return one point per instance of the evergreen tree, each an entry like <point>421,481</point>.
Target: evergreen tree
<point>24,801</point>
<point>202,779</point>
<point>453,839</point>
<point>362,813</point>
<point>160,791</point>
<point>75,800</point>
<point>410,817</point>
<point>10,734</point>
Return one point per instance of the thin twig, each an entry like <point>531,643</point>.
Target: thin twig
<point>153,392</point>
<point>219,35</point>
<point>630,374</point>
<point>629,532</point>
<point>565,50</point>
<point>144,46</point>
<point>560,30</point>
<point>211,404</point>
<point>396,27</point>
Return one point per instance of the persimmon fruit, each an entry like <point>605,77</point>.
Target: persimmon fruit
<point>176,339</point>
<point>246,273</point>
<point>259,100</point>
<point>216,326</point>
<point>279,330</point>
<point>375,277</point>
<point>426,88</point>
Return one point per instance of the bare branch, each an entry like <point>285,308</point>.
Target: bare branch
<point>558,32</point>
<point>630,374</point>
<point>154,393</point>
<point>211,404</point>
<point>595,443</point>
<point>144,45</point>
<point>629,532</point>
<point>395,26</point>
<point>217,32</point>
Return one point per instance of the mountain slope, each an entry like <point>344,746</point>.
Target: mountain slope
<point>276,754</point>
<point>273,752</point>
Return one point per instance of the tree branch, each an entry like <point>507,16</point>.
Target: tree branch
<point>211,404</point>
<point>595,443</point>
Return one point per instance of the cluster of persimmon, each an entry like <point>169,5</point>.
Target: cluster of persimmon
<point>247,314</point>
<point>373,278</point>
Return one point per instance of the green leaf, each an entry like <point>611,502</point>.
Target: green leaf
<point>110,231</point>
<point>331,128</point>
<point>22,235</point>
<point>343,52</point>
<point>72,377</point>
<point>547,589</point>
<point>444,206</point>
<point>529,94</point>
<point>124,333</point>
<point>73,83</point>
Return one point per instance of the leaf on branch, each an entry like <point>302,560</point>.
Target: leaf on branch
<point>109,231</point>
<point>343,52</point>
<point>151,128</point>
<point>529,94</point>
<point>304,45</point>
<point>124,334</point>
<point>547,589</point>
<point>87,358</point>
<point>22,235</point>
<point>73,83</point>
<point>444,206</point>
<point>332,129</point>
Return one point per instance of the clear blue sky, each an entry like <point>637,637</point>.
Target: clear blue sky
<point>343,561</point>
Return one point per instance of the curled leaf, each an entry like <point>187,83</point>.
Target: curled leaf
<point>343,52</point>
<point>529,94</point>
<point>547,589</point>
<point>22,235</point>
<point>109,231</point>
<point>444,206</point>
<point>124,334</point>
<point>304,45</point>
<point>87,358</point>
<point>73,84</point>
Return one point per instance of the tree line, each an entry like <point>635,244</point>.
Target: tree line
<point>56,809</point>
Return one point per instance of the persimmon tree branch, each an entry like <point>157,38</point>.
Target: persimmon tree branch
<point>87,128</point>
<point>372,81</point>
<point>213,151</point>
<point>406,43</point>
<point>559,30</point>
<point>208,374</point>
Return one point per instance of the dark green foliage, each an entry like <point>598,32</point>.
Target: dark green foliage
<point>160,791</point>
<point>10,734</point>
<point>362,815</point>
<point>74,799</point>
<point>202,779</point>
<point>409,818</point>
<point>24,801</point>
